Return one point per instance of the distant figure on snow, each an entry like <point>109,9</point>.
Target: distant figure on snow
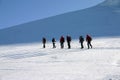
<point>53,41</point>
<point>44,41</point>
<point>62,40</point>
<point>89,39</point>
<point>81,40</point>
<point>68,38</point>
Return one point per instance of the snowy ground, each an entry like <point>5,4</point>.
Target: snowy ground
<point>32,62</point>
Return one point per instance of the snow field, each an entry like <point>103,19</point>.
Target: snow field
<point>32,62</point>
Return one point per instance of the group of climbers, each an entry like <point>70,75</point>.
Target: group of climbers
<point>68,40</point>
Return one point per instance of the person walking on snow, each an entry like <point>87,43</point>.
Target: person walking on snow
<point>68,38</point>
<point>89,39</point>
<point>81,40</point>
<point>44,41</point>
<point>62,40</point>
<point>53,41</point>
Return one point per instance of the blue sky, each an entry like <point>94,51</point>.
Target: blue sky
<point>14,12</point>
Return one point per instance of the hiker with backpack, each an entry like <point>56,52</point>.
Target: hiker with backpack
<point>44,42</point>
<point>81,40</point>
<point>53,41</point>
<point>68,38</point>
<point>89,39</point>
<point>62,40</point>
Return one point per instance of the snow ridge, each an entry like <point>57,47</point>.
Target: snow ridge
<point>111,3</point>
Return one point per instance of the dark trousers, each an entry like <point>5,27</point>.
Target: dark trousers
<point>82,45</point>
<point>54,45</point>
<point>69,46</point>
<point>89,44</point>
<point>43,45</point>
<point>62,45</point>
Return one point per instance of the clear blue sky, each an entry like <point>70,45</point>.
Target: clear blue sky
<point>14,12</point>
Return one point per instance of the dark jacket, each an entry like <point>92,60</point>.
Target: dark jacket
<point>68,38</point>
<point>81,39</point>
<point>62,40</point>
<point>53,40</point>
<point>88,38</point>
<point>44,40</point>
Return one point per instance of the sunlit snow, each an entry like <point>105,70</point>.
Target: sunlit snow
<point>32,62</point>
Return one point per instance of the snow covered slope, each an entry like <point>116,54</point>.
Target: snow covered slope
<point>112,3</point>
<point>101,20</point>
<point>32,62</point>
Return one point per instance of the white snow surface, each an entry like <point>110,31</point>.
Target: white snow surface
<point>32,62</point>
